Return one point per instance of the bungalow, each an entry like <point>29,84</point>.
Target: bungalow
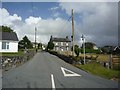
<point>8,42</point>
<point>61,44</point>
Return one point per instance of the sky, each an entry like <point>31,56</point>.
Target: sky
<point>98,21</point>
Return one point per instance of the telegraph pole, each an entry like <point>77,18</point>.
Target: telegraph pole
<point>72,33</point>
<point>83,39</point>
<point>35,38</point>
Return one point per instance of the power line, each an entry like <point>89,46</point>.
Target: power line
<point>65,24</point>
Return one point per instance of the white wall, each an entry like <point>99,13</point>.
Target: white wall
<point>13,47</point>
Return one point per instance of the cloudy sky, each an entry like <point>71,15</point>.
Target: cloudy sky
<point>98,21</point>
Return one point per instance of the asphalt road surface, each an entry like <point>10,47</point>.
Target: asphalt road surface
<point>0,79</point>
<point>48,71</point>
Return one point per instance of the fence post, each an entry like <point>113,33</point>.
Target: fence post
<point>110,60</point>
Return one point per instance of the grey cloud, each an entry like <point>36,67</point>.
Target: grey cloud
<point>100,26</point>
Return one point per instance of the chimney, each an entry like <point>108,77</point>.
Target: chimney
<point>66,37</point>
<point>50,37</point>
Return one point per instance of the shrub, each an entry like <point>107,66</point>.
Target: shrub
<point>77,50</point>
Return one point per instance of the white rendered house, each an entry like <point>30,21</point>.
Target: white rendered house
<point>8,42</point>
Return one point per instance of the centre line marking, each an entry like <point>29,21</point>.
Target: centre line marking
<point>53,82</point>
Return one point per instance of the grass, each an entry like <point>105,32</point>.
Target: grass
<point>20,53</point>
<point>97,69</point>
<point>101,57</point>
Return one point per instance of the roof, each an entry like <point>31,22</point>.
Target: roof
<point>117,47</point>
<point>12,36</point>
<point>34,42</point>
<point>60,39</point>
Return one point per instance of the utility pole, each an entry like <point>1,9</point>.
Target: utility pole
<point>35,38</point>
<point>83,39</point>
<point>72,33</point>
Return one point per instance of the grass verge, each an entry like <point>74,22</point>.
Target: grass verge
<point>97,69</point>
<point>19,53</point>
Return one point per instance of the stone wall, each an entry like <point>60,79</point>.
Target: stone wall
<point>8,62</point>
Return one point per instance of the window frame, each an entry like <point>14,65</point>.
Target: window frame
<point>61,43</point>
<point>5,45</point>
<point>56,43</point>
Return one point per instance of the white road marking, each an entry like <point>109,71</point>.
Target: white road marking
<point>53,83</point>
<point>69,75</point>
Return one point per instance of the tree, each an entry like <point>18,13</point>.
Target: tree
<point>77,50</point>
<point>39,45</point>
<point>25,43</point>
<point>50,45</point>
<point>89,45</point>
<point>5,29</point>
<point>107,49</point>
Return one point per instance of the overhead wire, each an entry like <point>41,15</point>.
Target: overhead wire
<point>64,25</point>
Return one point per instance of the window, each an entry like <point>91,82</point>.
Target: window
<point>66,44</point>
<point>56,48</point>
<point>61,49</point>
<point>67,48</point>
<point>56,43</point>
<point>61,43</point>
<point>5,45</point>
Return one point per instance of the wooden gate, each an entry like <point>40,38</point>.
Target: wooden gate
<point>116,62</point>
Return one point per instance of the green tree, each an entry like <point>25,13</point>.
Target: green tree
<point>89,45</point>
<point>39,45</point>
<point>107,49</point>
<point>50,45</point>
<point>5,29</point>
<point>77,50</point>
<point>25,43</point>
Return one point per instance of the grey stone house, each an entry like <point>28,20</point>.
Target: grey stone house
<point>61,44</point>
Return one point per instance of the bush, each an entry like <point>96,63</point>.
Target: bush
<point>91,51</point>
<point>77,50</point>
<point>50,45</point>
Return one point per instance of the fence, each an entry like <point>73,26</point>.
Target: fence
<point>116,62</point>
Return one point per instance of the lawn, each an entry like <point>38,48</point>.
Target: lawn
<point>20,53</point>
<point>97,69</point>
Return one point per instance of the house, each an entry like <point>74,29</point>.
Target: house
<point>35,44</point>
<point>61,44</point>
<point>8,42</point>
<point>116,50</point>
<point>43,46</point>
<point>95,47</point>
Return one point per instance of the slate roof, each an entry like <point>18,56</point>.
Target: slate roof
<point>60,39</point>
<point>8,36</point>
<point>117,47</point>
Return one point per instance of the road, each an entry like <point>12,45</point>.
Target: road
<point>48,71</point>
<point>0,79</point>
